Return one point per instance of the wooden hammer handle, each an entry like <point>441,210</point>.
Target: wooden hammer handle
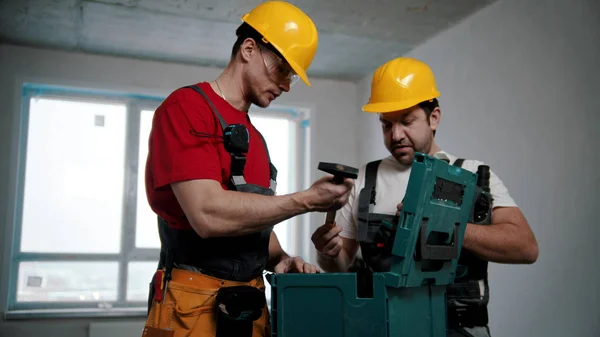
<point>330,217</point>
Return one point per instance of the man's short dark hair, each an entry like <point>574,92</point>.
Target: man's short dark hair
<point>428,107</point>
<point>245,31</point>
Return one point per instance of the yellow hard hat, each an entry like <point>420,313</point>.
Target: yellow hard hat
<point>400,84</point>
<point>289,30</point>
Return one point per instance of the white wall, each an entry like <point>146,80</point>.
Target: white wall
<point>519,84</point>
<point>331,111</point>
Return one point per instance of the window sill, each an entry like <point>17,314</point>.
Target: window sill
<point>76,313</point>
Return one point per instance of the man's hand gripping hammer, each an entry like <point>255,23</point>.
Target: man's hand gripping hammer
<point>339,172</point>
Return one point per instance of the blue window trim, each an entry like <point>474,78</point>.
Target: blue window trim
<point>33,89</point>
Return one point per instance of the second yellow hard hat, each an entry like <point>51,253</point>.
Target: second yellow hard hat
<point>399,84</point>
<point>289,30</point>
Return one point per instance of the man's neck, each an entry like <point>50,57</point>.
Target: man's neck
<point>434,149</point>
<point>230,87</point>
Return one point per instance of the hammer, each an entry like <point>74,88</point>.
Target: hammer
<point>339,172</point>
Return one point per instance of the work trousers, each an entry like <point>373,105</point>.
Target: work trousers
<point>189,308</point>
<point>478,331</point>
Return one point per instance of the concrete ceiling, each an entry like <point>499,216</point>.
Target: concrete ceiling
<point>355,36</point>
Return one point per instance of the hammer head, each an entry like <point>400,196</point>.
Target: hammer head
<point>339,171</point>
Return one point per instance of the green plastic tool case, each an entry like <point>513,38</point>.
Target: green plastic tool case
<point>407,301</point>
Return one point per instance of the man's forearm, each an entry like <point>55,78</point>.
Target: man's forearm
<point>214,212</point>
<point>244,213</point>
<point>500,243</point>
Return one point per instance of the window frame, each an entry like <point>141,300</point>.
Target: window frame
<point>135,104</point>
<point>128,253</point>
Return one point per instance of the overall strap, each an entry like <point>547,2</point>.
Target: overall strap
<point>238,161</point>
<point>366,199</point>
<point>210,103</point>
<point>458,162</point>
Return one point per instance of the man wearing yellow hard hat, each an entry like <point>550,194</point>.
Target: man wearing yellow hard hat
<point>211,183</point>
<point>404,97</point>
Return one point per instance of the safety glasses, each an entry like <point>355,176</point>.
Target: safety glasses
<point>281,70</point>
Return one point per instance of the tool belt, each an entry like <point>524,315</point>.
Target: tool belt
<point>225,271</point>
<point>202,305</point>
<point>467,306</point>
<point>246,266</point>
<point>467,317</point>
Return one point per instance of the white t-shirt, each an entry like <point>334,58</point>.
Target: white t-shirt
<point>392,180</point>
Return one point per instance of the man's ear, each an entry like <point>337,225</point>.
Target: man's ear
<point>247,48</point>
<point>434,118</point>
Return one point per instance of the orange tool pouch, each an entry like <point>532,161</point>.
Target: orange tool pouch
<point>200,305</point>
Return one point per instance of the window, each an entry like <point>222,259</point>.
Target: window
<point>286,133</point>
<point>85,236</point>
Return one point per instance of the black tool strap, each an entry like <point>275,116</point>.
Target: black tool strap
<point>366,198</point>
<point>238,162</point>
<point>467,292</point>
<point>371,179</point>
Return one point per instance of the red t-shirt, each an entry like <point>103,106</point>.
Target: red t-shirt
<point>176,154</point>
